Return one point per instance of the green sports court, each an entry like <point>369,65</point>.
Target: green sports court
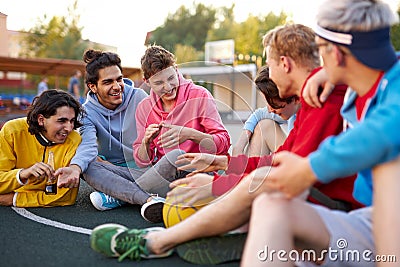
<point>59,236</point>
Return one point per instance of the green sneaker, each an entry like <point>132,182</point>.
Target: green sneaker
<point>213,250</point>
<point>100,239</point>
<point>114,240</point>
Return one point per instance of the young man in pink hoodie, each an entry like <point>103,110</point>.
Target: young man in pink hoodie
<point>178,114</point>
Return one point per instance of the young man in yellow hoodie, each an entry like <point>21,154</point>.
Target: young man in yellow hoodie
<point>25,146</point>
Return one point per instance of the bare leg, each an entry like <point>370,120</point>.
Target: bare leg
<point>240,148</point>
<point>267,137</point>
<point>287,221</point>
<point>386,217</point>
<point>232,211</point>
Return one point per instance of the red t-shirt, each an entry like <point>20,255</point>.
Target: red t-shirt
<point>311,127</point>
<point>362,100</point>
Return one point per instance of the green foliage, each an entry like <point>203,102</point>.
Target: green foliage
<point>185,53</point>
<point>395,35</point>
<point>225,27</point>
<point>248,39</point>
<point>186,31</point>
<point>187,27</point>
<point>59,37</point>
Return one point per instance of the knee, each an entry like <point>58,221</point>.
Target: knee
<point>277,208</point>
<point>92,166</point>
<point>264,126</point>
<point>175,153</point>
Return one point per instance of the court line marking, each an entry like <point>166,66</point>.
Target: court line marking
<point>29,215</point>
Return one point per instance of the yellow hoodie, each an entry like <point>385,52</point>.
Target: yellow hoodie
<point>18,150</point>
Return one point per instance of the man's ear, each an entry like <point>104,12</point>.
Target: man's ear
<point>40,119</point>
<point>92,87</point>
<point>286,62</point>
<point>339,56</point>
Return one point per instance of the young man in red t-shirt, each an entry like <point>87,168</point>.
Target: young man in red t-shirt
<point>296,64</point>
<point>311,127</point>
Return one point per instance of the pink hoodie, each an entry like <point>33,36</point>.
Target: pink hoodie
<point>194,108</point>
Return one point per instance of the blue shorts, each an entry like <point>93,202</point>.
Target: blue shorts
<point>351,240</point>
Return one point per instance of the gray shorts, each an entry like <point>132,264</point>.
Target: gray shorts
<point>351,241</point>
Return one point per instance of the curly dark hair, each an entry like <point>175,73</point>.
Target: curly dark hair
<point>47,104</point>
<point>156,59</point>
<point>269,90</point>
<point>96,60</point>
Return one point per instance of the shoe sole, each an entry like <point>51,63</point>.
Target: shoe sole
<point>154,256</point>
<point>153,212</point>
<point>213,250</point>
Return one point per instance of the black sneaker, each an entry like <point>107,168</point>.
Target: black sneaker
<point>152,211</point>
<point>213,250</point>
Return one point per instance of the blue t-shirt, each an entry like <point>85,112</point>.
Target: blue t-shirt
<point>262,114</point>
<point>42,86</point>
<point>72,82</point>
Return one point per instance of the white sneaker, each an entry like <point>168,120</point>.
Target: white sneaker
<point>152,211</point>
<point>103,202</point>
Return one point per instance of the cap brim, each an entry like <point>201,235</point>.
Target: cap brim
<point>381,58</point>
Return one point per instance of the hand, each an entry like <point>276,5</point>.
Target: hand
<point>201,162</point>
<point>152,131</point>
<point>311,93</point>
<point>36,173</point>
<point>68,177</point>
<point>174,136</point>
<point>191,190</point>
<point>241,144</point>
<point>292,175</point>
<point>6,199</point>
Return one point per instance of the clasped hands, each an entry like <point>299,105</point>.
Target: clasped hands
<point>174,136</point>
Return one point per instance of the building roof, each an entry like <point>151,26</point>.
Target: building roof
<point>51,66</point>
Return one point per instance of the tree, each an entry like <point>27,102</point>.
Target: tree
<point>225,26</point>
<point>247,35</point>
<point>186,31</point>
<point>250,33</point>
<point>187,27</point>
<point>187,53</point>
<point>60,37</point>
<point>395,34</point>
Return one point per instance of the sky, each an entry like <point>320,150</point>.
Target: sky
<point>124,23</point>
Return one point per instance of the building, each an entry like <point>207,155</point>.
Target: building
<point>14,69</point>
<point>232,87</point>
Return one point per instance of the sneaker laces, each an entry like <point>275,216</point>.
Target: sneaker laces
<point>110,199</point>
<point>134,244</point>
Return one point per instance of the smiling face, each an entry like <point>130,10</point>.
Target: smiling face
<point>278,74</point>
<point>58,126</point>
<point>109,87</point>
<point>165,84</point>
